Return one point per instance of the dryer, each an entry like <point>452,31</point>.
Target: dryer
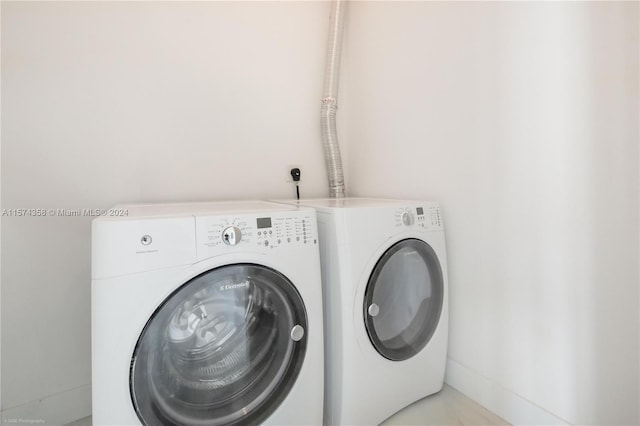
<point>207,314</point>
<point>386,305</point>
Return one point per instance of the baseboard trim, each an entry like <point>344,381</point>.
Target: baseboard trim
<point>58,409</point>
<point>503,402</point>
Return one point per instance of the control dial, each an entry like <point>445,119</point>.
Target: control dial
<point>231,235</point>
<point>407,218</point>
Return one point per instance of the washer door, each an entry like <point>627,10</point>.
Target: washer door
<point>403,299</point>
<point>225,348</point>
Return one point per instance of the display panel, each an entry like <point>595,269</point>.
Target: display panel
<point>264,222</point>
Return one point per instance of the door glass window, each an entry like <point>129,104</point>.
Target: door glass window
<point>225,348</point>
<point>403,299</point>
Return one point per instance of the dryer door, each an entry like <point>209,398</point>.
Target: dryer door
<point>225,348</point>
<point>403,299</point>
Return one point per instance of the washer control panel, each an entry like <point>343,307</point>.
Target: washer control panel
<point>283,230</point>
<point>268,232</point>
<point>427,217</point>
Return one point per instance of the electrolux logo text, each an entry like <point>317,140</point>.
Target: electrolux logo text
<point>234,286</point>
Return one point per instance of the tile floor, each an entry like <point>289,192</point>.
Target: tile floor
<point>448,407</point>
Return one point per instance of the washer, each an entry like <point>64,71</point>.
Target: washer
<point>386,305</point>
<point>207,314</point>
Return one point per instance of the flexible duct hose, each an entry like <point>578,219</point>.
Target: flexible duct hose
<point>329,109</point>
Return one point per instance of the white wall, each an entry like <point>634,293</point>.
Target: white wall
<point>522,120</point>
<point>112,102</point>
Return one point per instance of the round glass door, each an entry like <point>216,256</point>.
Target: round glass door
<point>225,348</point>
<point>403,299</point>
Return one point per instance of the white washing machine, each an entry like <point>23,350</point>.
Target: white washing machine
<point>386,305</point>
<point>207,314</point>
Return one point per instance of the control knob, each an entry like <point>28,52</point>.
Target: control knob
<point>407,219</point>
<point>231,235</point>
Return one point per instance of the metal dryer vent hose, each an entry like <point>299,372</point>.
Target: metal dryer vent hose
<point>329,109</point>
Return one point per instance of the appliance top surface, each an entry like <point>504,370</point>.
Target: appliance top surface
<point>134,211</point>
<point>351,202</point>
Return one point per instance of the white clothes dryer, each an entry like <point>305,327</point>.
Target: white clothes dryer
<point>386,305</point>
<point>207,314</point>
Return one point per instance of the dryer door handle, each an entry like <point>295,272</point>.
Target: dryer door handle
<point>374,309</point>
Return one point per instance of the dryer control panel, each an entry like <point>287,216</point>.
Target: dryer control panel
<point>217,235</point>
<point>426,217</point>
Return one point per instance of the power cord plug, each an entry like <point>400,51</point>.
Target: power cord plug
<point>295,175</point>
